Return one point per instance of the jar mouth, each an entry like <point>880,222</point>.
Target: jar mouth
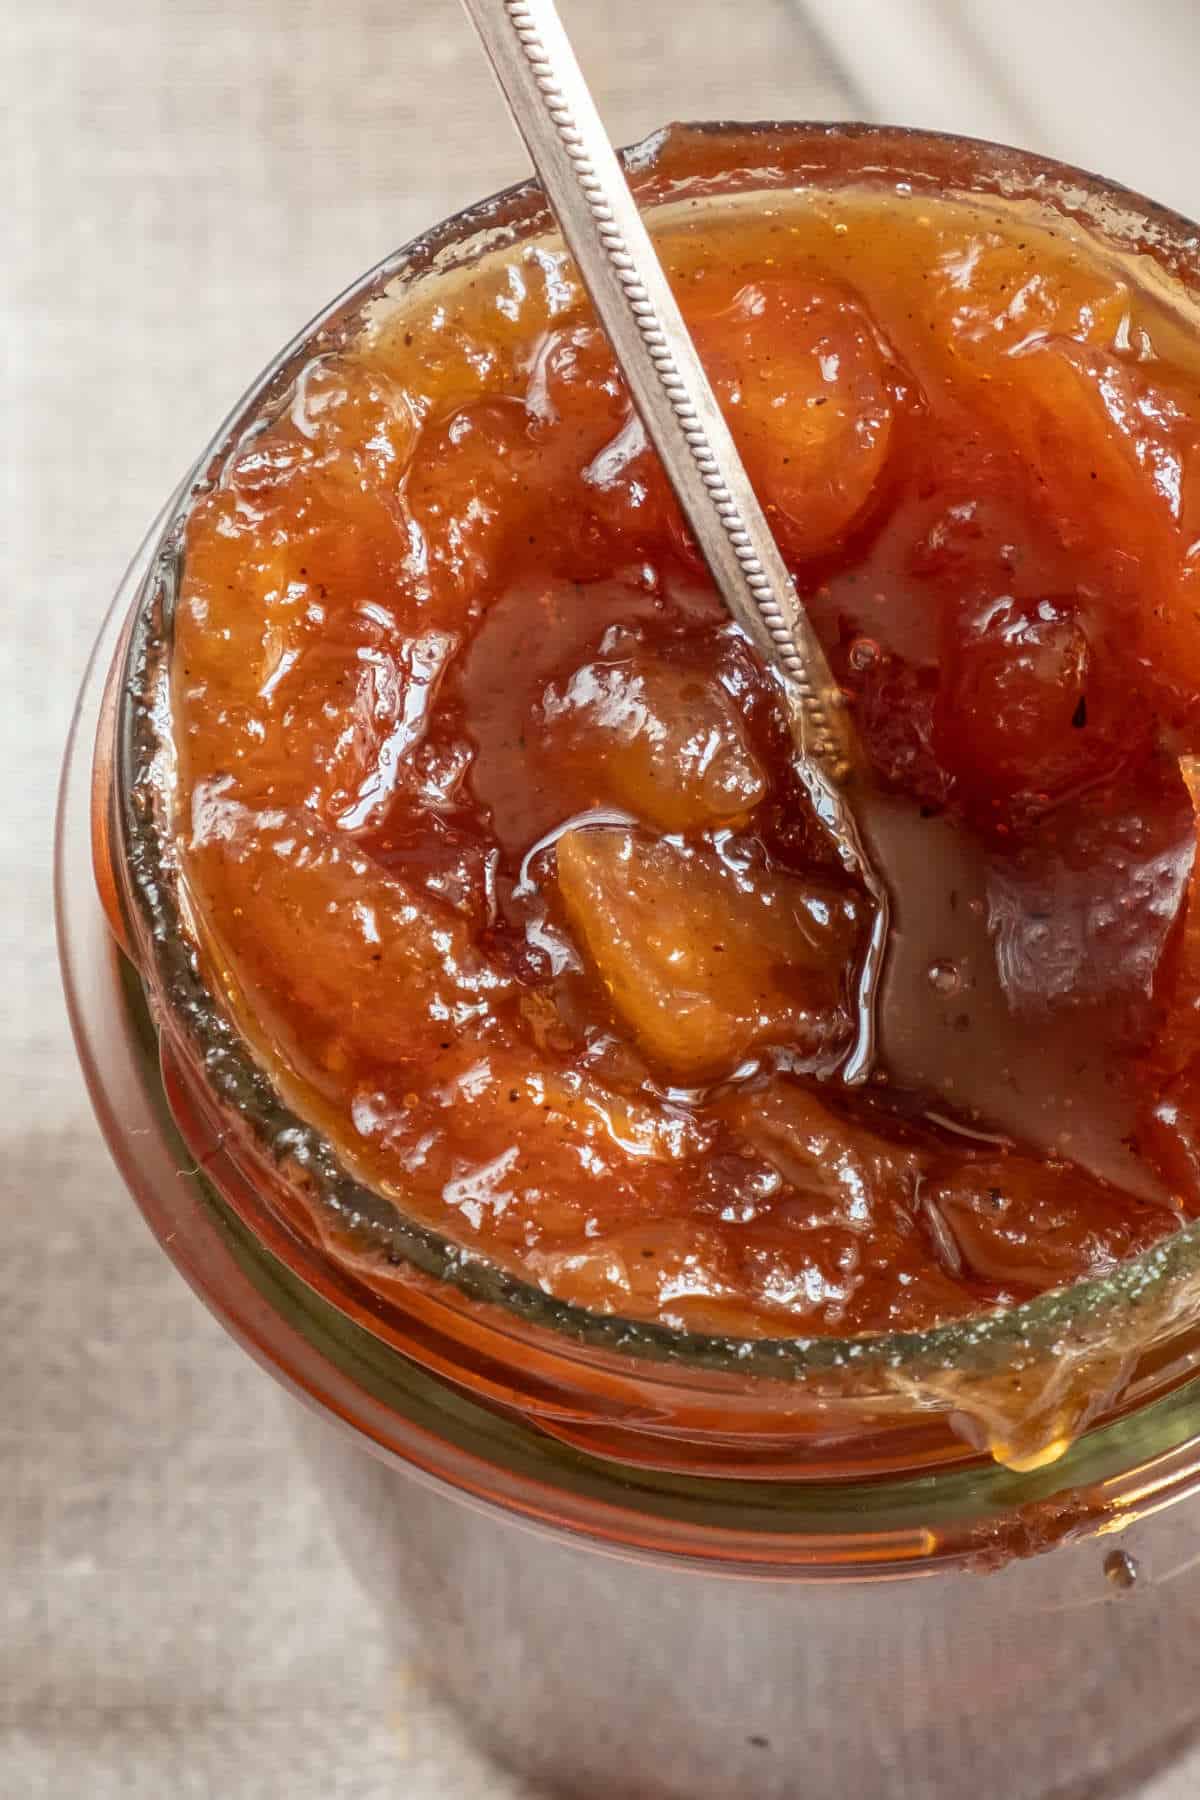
<point>1115,1315</point>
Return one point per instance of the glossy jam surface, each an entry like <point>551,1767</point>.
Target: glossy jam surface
<point>486,813</point>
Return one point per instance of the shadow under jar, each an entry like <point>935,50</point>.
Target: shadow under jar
<point>641,1560</point>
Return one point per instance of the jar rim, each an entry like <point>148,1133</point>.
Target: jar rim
<point>667,164</point>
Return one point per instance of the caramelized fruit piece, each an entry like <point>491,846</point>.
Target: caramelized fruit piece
<point>641,1129</point>
<point>808,1224</point>
<point>997,296</point>
<point>339,960</point>
<point>352,712</point>
<point>525,1151</point>
<point>293,568</point>
<point>472,493</point>
<point>804,384</point>
<point>669,1269</point>
<point>1113,456</point>
<point>1083,909</point>
<point>575,386</point>
<point>1028,711</point>
<point>361,424</point>
<point>846,1169</point>
<point>601,454</point>
<point>261,594</point>
<point>344,418</point>
<point>962,563</point>
<point>338,703</point>
<point>701,966</point>
<point>462,348</point>
<point>530,635</point>
<point>1107,447</point>
<point>840,1244</point>
<point>769,1279</point>
<point>1034,1225</point>
<point>449,857</point>
<point>660,738</point>
<point>560,471</point>
<point>965,527</point>
<point>375,752</point>
<point>1056,356</point>
<point>842,1278</point>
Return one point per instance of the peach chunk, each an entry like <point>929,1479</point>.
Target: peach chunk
<point>841,1241</point>
<point>656,737</point>
<point>703,966</point>
<point>471,492</point>
<point>342,960</point>
<point>1025,1223</point>
<point>1029,710</point>
<point>1113,444</point>
<point>846,1170</point>
<point>1086,907</point>
<point>677,1270</point>
<point>523,1150</point>
<point>342,418</point>
<point>591,434</point>
<point>1113,458</point>
<point>803,381</point>
<point>1107,446</point>
<point>1001,296</point>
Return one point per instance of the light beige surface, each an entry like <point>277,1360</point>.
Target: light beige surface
<point>184,183</point>
<point>1109,86</point>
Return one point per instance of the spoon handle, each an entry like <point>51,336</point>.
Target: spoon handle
<point>600,221</point>
<point>555,114</point>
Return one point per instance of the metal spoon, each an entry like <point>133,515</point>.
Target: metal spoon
<point>555,114</point>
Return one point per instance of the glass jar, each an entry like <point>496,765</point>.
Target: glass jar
<point>756,1626</point>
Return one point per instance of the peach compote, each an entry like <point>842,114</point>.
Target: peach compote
<point>487,814</point>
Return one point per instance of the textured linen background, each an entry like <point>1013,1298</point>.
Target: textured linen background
<point>184,183</point>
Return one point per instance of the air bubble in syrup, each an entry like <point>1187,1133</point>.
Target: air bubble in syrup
<point>863,654</point>
<point>1121,1570</point>
<point>944,977</point>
